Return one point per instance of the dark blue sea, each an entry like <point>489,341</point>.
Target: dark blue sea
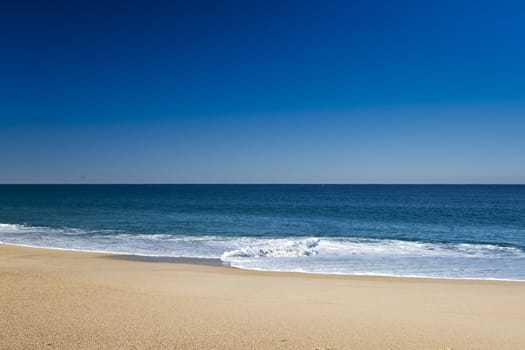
<point>456,231</point>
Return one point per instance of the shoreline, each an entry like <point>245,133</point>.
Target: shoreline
<point>218,262</point>
<point>63,299</point>
<point>171,259</point>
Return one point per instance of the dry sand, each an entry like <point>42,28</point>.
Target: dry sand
<point>68,300</point>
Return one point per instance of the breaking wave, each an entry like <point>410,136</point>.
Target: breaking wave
<point>276,248</point>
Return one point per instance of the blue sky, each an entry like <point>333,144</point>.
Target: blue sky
<point>268,92</point>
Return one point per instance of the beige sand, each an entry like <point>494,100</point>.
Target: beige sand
<point>68,300</point>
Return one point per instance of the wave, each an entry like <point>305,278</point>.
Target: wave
<point>10,227</point>
<point>285,248</point>
<point>348,255</point>
<point>276,248</point>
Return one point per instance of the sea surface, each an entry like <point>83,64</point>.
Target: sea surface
<point>456,231</point>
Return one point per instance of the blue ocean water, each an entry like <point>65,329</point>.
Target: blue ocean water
<point>456,231</point>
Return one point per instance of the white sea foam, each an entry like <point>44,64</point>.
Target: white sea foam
<point>273,248</point>
<point>10,227</point>
<point>303,254</point>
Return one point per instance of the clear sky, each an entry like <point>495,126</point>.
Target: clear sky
<point>262,91</point>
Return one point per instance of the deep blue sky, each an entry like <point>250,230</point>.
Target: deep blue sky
<point>262,92</point>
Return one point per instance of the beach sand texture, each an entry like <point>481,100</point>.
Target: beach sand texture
<point>71,300</point>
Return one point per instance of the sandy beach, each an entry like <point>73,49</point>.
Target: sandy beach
<point>71,300</point>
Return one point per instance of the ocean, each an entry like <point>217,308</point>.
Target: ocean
<point>445,231</point>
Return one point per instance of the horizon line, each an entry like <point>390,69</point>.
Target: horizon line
<point>262,184</point>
